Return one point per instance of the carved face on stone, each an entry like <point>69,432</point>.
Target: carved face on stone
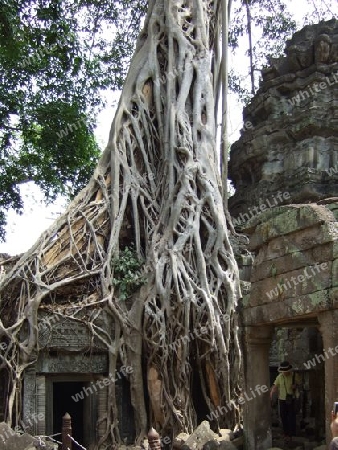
<point>322,48</point>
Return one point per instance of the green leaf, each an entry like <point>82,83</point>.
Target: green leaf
<point>127,272</point>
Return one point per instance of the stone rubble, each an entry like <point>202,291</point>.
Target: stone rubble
<point>11,440</point>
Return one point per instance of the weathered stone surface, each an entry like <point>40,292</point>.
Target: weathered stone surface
<point>225,445</point>
<point>211,445</point>
<point>334,297</point>
<point>58,332</point>
<point>201,436</point>
<point>296,343</point>
<point>291,284</point>
<point>295,270</point>
<point>292,141</point>
<point>297,242</point>
<point>76,363</point>
<point>292,261</point>
<point>283,221</point>
<point>180,439</point>
<point>307,307</point>
<point>11,440</point>
<point>225,434</point>
<point>285,171</point>
<point>19,442</point>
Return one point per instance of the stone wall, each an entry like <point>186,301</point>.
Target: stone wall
<point>7,263</point>
<point>284,168</point>
<point>295,268</point>
<point>294,293</point>
<point>295,344</point>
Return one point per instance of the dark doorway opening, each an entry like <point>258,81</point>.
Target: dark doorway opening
<point>63,402</point>
<point>198,399</point>
<point>126,411</point>
<point>299,345</point>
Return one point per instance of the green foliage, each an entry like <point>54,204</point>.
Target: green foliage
<point>273,271</point>
<point>320,10</point>
<point>237,85</point>
<point>56,57</point>
<point>127,272</point>
<point>273,23</point>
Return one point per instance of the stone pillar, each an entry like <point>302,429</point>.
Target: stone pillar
<point>41,404</point>
<point>66,432</point>
<point>329,330</point>
<point>102,412</point>
<point>257,410</point>
<point>29,406</point>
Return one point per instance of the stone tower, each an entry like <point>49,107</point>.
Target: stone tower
<point>290,141</point>
<point>285,171</point>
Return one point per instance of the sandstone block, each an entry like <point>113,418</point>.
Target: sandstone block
<point>290,262</point>
<point>201,436</point>
<point>225,445</point>
<point>291,284</point>
<point>306,306</point>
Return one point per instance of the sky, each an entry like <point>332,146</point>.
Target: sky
<point>24,230</point>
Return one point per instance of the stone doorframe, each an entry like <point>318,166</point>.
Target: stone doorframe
<point>257,411</point>
<point>38,398</point>
<point>90,404</point>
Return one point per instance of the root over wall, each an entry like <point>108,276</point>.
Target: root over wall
<point>157,188</point>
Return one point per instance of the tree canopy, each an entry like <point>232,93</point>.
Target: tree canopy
<point>56,57</point>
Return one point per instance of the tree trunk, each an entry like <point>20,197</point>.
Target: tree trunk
<point>157,187</point>
<point>248,21</point>
<point>226,8</point>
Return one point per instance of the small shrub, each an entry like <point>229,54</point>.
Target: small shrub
<point>127,272</point>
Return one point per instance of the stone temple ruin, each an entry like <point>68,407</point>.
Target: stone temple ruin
<point>71,374</point>
<point>285,172</point>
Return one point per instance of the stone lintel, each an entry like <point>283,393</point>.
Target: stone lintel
<point>72,363</point>
<point>273,267</point>
<point>285,220</point>
<point>304,308</point>
<point>301,79</point>
<point>292,284</point>
<point>299,241</point>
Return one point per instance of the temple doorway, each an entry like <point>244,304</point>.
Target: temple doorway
<point>63,401</point>
<point>302,346</point>
<point>72,395</point>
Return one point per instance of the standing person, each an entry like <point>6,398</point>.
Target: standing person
<point>285,385</point>
<point>334,431</point>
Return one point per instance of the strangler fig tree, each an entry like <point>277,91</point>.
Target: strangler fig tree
<point>156,192</point>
